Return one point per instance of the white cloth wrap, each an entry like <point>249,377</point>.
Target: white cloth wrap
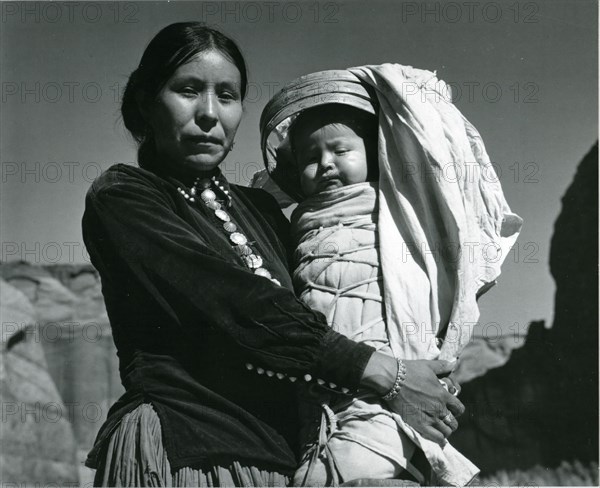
<point>445,227</point>
<point>338,272</point>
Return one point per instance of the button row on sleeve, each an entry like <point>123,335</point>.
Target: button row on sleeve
<point>307,377</point>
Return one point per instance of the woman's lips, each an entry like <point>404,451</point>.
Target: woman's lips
<point>203,140</point>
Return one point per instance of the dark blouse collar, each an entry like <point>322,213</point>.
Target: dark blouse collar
<point>186,178</point>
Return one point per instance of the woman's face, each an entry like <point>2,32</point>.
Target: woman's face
<point>196,114</point>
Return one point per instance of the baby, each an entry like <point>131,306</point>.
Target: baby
<point>344,142</point>
<point>337,272</point>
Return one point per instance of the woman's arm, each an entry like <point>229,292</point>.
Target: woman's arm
<point>129,215</point>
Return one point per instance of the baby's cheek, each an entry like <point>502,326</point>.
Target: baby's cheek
<point>309,173</point>
<point>307,182</point>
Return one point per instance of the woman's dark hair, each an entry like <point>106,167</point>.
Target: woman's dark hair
<point>172,47</point>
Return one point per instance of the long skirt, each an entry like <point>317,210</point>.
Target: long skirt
<point>135,456</point>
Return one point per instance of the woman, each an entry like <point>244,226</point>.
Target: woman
<point>209,334</point>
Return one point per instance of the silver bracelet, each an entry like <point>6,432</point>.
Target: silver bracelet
<point>398,384</point>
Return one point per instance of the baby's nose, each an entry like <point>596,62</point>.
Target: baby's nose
<point>327,160</point>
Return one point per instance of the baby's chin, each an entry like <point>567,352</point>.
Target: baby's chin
<point>331,188</point>
<point>329,185</point>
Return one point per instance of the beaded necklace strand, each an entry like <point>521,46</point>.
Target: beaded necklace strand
<point>239,241</point>
<point>207,187</point>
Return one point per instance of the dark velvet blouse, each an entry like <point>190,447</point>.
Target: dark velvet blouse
<point>187,316</point>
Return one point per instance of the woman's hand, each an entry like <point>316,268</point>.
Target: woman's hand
<point>423,402</point>
<point>451,384</point>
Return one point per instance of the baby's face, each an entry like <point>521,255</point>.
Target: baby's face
<point>329,157</point>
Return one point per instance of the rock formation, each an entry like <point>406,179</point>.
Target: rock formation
<point>574,354</point>
<point>73,334</point>
<point>541,407</point>
<point>37,442</point>
<point>503,427</point>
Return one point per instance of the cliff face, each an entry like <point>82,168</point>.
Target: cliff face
<point>541,407</point>
<point>70,337</point>
<point>506,421</point>
<point>38,444</point>
<point>574,266</point>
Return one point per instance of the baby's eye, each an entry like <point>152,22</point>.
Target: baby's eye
<point>341,151</point>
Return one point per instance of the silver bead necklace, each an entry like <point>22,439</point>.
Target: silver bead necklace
<point>205,187</point>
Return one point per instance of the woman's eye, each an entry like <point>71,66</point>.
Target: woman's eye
<point>229,96</point>
<point>188,91</point>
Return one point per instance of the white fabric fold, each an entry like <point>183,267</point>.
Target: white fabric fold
<point>444,224</point>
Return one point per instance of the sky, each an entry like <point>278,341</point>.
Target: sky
<point>524,73</point>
